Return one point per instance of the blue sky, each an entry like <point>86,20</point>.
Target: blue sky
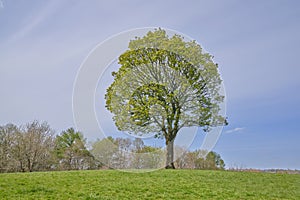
<point>255,43</point>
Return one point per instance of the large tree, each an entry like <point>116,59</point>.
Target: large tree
<point>164,84</point>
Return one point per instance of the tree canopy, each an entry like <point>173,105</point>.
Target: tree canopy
<point>164,84</point>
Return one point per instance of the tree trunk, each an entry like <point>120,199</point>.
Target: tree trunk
<point>29,165</point>
<point>170,155</point>
<point>21,166</point>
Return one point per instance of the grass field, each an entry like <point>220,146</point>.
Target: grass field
<point>162,184</point>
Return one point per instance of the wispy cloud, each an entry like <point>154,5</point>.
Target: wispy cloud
<point>1,4</point>
<point>35,20</point>
<point>237,129</point>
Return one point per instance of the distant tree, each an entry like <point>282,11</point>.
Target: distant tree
<point>7,142</point>
<point>200,159</point>
<point>148,157</point>
<point>105,151</point>
<point>18,150</point>
<point>187,160</point>
<point>71,150</point>
<point>123,153</point>
<point>138,144</point>
<point>33,146</point>
<point>164,84</point>
<point>213,160</point>
<point>39,144</point>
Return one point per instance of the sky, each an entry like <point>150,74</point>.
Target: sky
<point>255,43</point>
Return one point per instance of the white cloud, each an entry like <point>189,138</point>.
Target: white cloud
<point>237,129</point>
<point>34,20</point>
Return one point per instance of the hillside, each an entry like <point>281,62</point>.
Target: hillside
<point>162,184</point>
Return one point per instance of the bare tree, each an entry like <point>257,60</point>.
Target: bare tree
<point>200,159</point>
<point>35,146</point>
<point>7,141</point>
<point>26,148</point>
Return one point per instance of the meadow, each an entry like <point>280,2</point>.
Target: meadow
<point>161,184</point>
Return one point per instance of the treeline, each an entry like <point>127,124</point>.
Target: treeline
<point>36,147</point>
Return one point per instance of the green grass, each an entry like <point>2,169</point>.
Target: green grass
<point>162,184</point>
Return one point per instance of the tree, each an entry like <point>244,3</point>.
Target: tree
<point>148,158</point>
<point>71,150</point>
<point>164,84</point>
<point>123,153</point>
<point>18,150</point>
<point>39,144</point>
<point>200,159</point>
<point>32,147</point>
<point>104,151</point>
<point>213,160</point>
<point>7,142</point>
<point>187,160</point>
